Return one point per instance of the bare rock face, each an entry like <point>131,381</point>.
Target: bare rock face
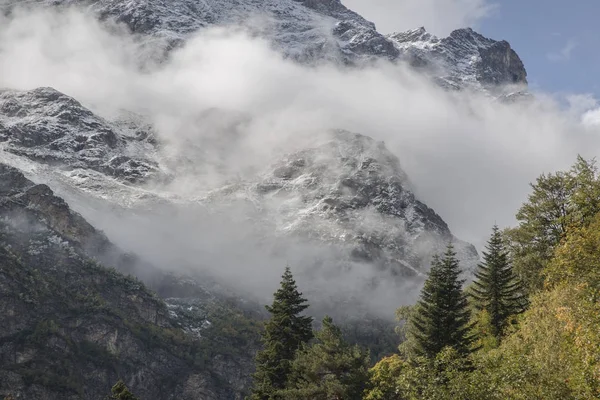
<point>317,31</point>
<point>465,59</point>
<point>71,327</point>
<point>47,126</point>
<point>351,191</point>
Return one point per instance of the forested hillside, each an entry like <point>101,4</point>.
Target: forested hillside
<point>527,327</point>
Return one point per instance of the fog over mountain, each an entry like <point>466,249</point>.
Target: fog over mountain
<point>449,144</point>
<point>233,138</point>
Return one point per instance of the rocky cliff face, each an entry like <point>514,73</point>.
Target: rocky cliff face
<point>49,127</point>
<point>465,59</point>
<point>315,31</point>
<point>72,327</point>
<point>349,190</point>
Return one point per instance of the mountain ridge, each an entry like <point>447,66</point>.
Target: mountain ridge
<point>345,201</point>
<point>315,32</point>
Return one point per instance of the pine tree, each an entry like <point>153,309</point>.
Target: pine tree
<point>496,288</point>
<point>284,334</point>
<point>328,369</point>
<point>441,317</point>
<point>121,392</point>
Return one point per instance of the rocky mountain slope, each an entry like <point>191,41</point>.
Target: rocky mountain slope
<point>47,126</point>
<point>350,191</point>
<point>316,31</point>
<point>347,189</point>
<point>71,326</point>
<point>465,59</point>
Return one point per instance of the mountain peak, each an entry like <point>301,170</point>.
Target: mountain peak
<point>464,59</point>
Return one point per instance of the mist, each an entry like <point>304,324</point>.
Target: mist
<point>467,156</point>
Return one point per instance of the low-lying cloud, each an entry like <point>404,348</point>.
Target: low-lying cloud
<point>468,157</point>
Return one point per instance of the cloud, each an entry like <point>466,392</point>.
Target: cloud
<point>469,158</point>
<point>591,118</point>
<point>439,17</point>
<point>586,108</point>
<point>565,53</point>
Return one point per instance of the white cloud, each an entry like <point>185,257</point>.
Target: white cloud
<point>565,53</point>
<point>470,159</point>
<point>586,108</point>
<point>450,144</point>
<point>591,118</point>
<point>579,103</point>
<point>439,17</point>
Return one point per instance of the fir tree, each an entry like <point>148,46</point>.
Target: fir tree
<point>441,317</point>
<point>284,334</point>
<point>496,288</point>
<point>328,369</point>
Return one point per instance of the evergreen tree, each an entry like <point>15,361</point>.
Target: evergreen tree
<point>441,317</point>
<point>121,392</point>
<point>284,334</point>
<point>496,288</point>
<point>328,369</point>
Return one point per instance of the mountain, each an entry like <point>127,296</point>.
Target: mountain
<point>73,325</point>
<point>345,190</point>
<point>349,190</point>
<point>465,59</point>
<point>317,31</point>
<point>340,206</point>
<point>47,126</point>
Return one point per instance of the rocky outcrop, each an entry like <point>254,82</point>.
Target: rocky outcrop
<point>317,31</point>
<point>351,191</point>
<point>465,59</point>
<point>71,327</point>
<point>50,127</point>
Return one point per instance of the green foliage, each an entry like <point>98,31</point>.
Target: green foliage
<point>230,334</point>
<point>383,378</point>
<point>554,353</point>
<point>485,334</point>
<point>376,334</point>
<point>558,202</point>
<point>441,317</point>
<point>447,376</point>
<point>577,259</point>
<point>284,334</point>
<point>328,369</point>
<point>121,392</point>
<point>552,350</point>
<point>496,289</point>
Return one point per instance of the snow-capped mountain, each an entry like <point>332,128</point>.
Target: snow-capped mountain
<point>314,31</point>
<point>465,59</point>
<point>351,191</point>
<point>47,126</point>
<point>344,192</point>
<point>346,189</point>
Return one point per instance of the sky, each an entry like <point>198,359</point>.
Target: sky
<point>557,40</point>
